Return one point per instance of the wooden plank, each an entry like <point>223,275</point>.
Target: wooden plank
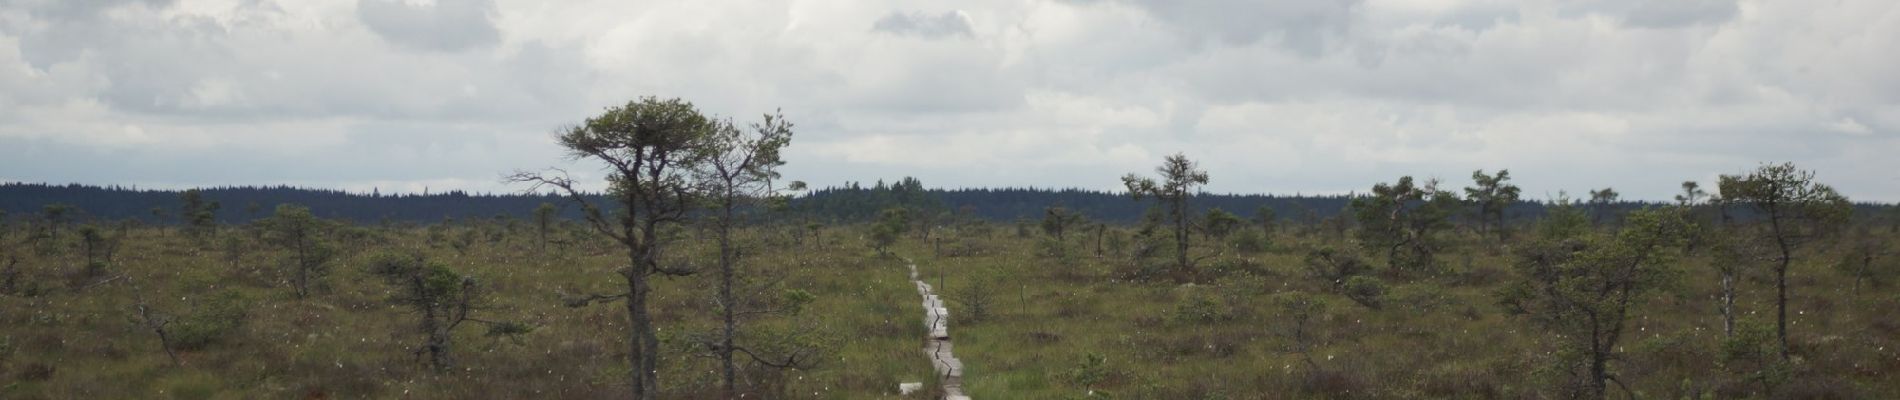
<point>937,346</point>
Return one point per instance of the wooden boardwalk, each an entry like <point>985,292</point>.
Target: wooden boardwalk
<point>937,344</point>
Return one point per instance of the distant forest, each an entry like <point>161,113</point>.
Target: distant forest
<point>848,202</point>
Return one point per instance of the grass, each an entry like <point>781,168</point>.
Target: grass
<point>1438,336</point>
<point>349,341</point>
<point>1224,336</point>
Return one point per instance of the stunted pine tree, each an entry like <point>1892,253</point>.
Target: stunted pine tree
<point>56,215</point>
<point>737,175</point>
<point>650,148</point>
<point>1584,287</point>
<point>298,232</point>
<point>1178,178</point>
<point>1265,218</point>
<point>200,216</point>
<point>442,300</point>
<point>890,225</point>
<point>97,248</point>
<point>1603,202</point>
<point>1492,194</point>
<point>1865,259</point>
<point>1692,194</point>
<point>1218,223</point>
<point>1403,220</point>
<point>1791,210</point>
<point>1057,221</point>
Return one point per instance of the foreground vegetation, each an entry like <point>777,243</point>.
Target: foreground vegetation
<point>694,276</point>
<point>1036,317</point>
<point>240,331</point>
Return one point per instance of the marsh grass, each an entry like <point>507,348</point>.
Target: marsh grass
<point>1436,335</point>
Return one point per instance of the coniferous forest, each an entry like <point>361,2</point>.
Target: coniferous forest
<point>701,272</point>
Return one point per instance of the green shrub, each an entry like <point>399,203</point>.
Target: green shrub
<point>1366,290</point>
<point>1250,241</point>
<point>1752,355</point>
<point>1201,308</point>
<point>212,320</point>
<point>1091,371</point>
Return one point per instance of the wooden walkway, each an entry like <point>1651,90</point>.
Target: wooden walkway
<point>937,344</point>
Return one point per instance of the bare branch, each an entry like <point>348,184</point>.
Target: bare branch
<point>563,182</point>
<point>582,301</point>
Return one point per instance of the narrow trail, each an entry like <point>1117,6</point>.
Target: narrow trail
<point>937,345</point>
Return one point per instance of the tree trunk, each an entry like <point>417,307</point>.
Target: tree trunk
<point>1781,303</point>
<point>1183,273</point>
<point>728,310</point>
<point>1860,274</point>
<point>430,327</point>
<point>643,345</point>
<point>1599,376</point>
<point>1781,282</point>
<point>303,268</point>
<point>1728,303</point>
<point>164,338</point>
<point>1500,226</point>
<point>1098,241</point>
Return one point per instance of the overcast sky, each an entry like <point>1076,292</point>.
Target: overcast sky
<point>1270,96</point>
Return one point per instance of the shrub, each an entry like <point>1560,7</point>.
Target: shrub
<point>1333,266</point>
<point>1366,290</point>
<point>1250,241</point>
<point>1091,371</point>
<point>978,299</point>
<point>1751,354</point>
<point>211,321</point>
<point>1224,267</point>
<point>1200,308</point>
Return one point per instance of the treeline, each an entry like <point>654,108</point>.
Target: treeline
<point>850,202</point>
<point>240,204</point>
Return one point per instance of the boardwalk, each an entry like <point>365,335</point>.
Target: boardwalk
<point>937,344</point>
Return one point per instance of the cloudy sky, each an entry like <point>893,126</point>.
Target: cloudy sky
<point>1271,96</point>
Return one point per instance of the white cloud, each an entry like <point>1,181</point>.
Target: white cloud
<point>1326,96</point>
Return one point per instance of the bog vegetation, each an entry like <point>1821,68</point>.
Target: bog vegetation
<point>701,273</point>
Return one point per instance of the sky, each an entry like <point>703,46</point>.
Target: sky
<point>1285,97</point>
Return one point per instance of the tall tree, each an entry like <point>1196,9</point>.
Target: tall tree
<point>738,173</point>
<point>1178,178</point>
<point>650,147</point>
<point>1584,289</point>
<point>1791,210</point>
<point>1492,194</point>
